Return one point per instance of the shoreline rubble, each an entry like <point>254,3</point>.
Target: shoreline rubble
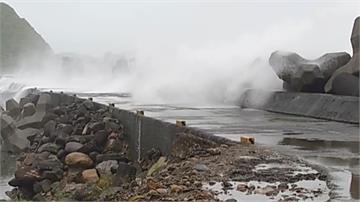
<point>77,150</point>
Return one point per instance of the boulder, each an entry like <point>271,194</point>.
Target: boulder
<point>345,80</point>
<point>90,176</point>
<point>49,147</point>
<point>124,174</point>
<point>13,108</point>
<point>201,167</point>
<point>25,176</point>
<point>23,101</point>
<point>302,75</point>
<point>88,104</point>
<point>34,98</point>
<point>21,138</point>
<point>101,137</point>
<point>73,147</point>
<point>40,117</point>
<point>28,110</point>
<point>107,167</point>
<point>78,159</point>
<point>97,126</point>
<point>111,156</point>
<point>16,139</point>
<point>7,125</point>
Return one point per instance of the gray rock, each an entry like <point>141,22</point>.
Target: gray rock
<point>65,128</point>
<point>44,103</point>
<point>25,176</point>
<point>51,163</point>
<point>112,125</point>
<point>101,137</point>
<point>111,156</point>
<point>124,174</point>
<point>49,147</point>
<point>304,75</point>
<point>13,108</point>
<point>201,167</point>
<point>28,110</point>
<point>73,147</point>
<point>17,139</point>
<point>34,121</point>
<point>34,98</point>
<point>97,126</point>
<point>61,138</point>
<point>88,104</point>
<point>7,126</point>
<point>61,154</point>
<point>106,167</point>
<point>23,101</point>
<point>341,81</point>
<point>49,128</point>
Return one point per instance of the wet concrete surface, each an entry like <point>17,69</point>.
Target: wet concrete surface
<point>333,145</point>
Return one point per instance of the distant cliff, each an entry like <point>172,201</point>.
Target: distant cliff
<point>20,44</point>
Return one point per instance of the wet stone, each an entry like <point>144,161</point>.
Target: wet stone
<point>101,137</point>
<point>77,159</point>
<point>73,147</point>
<point>90,176</point>
<point>106,167</point>
<point>49,127</point>
<point>111,156</point>
<point>65,128</point>
<point>49,147</point>
<point>61,154</point>
<point>90,147</point>
<point>201,167</point>
<point>28,110</point>
<point>125,173</point>
<point>97,126</point>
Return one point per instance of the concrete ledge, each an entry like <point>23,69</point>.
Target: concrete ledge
<point>144,133</point>
<point>316,105</point>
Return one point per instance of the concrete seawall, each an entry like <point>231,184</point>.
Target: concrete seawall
<point>144,133</point>
<point>322,106</point>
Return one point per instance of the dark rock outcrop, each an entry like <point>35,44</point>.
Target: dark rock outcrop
<point>301,75</point>
<point>19,42</point>
<point>345,80</point>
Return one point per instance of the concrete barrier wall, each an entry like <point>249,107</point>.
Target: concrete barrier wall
<point>141,132</point>
<point>316,105</point>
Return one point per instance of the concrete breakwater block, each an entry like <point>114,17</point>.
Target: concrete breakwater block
<point>316,105</point>
<point>247,140</point>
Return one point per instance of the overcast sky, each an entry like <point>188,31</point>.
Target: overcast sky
<point>95,27</point>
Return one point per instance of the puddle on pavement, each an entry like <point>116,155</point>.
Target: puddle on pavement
<point>302,190</point>
<point>305,190</point>
<point>300,169</point>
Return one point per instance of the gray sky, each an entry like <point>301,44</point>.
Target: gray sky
<point>95,27</point>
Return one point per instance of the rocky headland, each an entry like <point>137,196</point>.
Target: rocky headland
<point>19,42</point>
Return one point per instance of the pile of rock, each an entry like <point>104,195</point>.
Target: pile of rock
<point>335,73</point>
<point>74,149</point>
<point>70,141</point>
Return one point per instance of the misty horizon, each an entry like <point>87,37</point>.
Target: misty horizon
<point>95,28</point>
